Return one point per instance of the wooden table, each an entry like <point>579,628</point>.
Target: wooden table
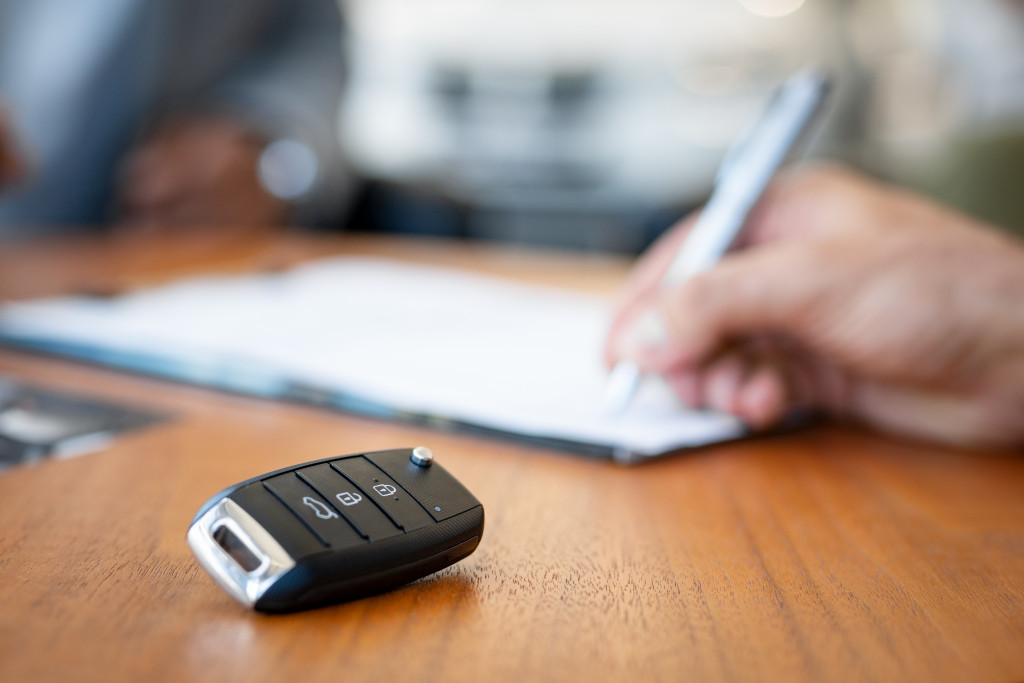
<point>827,554</point>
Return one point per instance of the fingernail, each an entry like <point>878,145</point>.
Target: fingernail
<point>686,387</point>
<point>721,388</point>
<point>647,334</point>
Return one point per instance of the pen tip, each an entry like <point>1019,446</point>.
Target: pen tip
<point>622,384</point>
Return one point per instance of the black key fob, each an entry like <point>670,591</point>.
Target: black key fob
<point>335,529</point>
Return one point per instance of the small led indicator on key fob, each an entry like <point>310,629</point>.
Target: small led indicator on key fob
<point>335,529</point>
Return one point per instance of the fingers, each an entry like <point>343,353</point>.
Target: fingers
<point>158,180</point>
<point>198,172</point>
<point>763,384</point>
<point>724,381</point>
<point>644,281</point>
<point>646,275</point>
<point>771,288</point>
<point>152,185</point>
<point>764,399</point>
<point>757,390</point>
<point>797,206</point>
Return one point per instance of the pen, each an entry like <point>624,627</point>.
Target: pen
<point>745,172</point>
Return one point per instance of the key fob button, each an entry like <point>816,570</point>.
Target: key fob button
<point>437,491</point>
<point>311,508</point>
<point>395,501</point>
<point>295,537</point>
<point>351,501</point>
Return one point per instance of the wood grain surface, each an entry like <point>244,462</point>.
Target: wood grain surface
<point>828,554</point>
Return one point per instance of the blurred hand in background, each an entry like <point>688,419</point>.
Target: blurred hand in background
<point>198,172</point>
<point>143,112</point>
<point>849,298</point>
<point>12,165</point>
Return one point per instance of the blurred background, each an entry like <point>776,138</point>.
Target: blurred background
<point>595,124</point>
<point>586,124</point>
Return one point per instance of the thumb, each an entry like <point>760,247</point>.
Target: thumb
<point>765,289</point>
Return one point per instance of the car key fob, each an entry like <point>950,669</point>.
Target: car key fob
<point>335,529</point>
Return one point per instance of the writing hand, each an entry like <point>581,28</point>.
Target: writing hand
<point>851,298</point>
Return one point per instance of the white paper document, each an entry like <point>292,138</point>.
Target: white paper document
<point>385,338</point>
